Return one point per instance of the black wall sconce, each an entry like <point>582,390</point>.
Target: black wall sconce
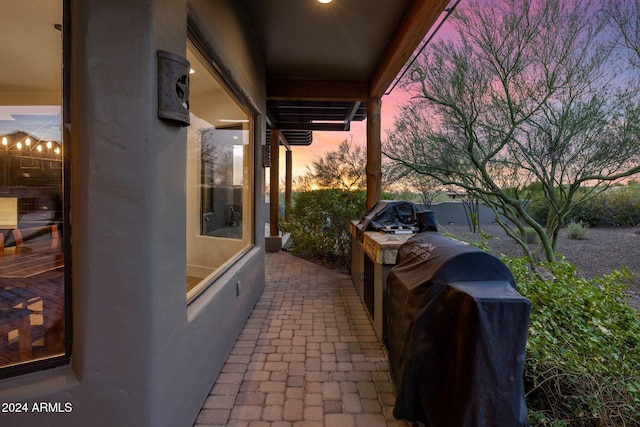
<point>173,88</point>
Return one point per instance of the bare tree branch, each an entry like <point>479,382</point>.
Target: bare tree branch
<point>526,93</point>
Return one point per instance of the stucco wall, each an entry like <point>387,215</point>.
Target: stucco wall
<point>141,356</point>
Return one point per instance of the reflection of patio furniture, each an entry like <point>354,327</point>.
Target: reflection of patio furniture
<point>15,319</point>
<point>20,235</point>
<point>31,279</point>
<point>28,260</point>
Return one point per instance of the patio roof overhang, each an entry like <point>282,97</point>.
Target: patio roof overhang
<point>324,62</point>
<point>330,64</point>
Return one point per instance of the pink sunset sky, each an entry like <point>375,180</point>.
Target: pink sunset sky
<point>303,156</point>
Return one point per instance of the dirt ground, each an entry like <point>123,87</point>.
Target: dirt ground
<point>606,249</point>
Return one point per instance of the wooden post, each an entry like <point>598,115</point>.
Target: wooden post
<point>288,185</point>
<point>274,196</point>
<point>374,152</point>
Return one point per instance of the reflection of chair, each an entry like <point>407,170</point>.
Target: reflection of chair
<point>35,232</point>
<point>54,236</point>
<point>17,236</point>
<point>15,319</point>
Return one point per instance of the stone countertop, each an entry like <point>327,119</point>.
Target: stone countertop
<point>381,247</point>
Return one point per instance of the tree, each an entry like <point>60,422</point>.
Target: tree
<point>625,17</point>
<point>304,182</point>
<point>343,168</point>
<point>396,176</point>
<point>528,92</point>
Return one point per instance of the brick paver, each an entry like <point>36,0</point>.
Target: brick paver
<point>307,357</point>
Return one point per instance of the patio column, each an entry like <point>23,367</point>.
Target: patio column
<point>374,152</point>
<point>273,242</point>
<point>288,185</point>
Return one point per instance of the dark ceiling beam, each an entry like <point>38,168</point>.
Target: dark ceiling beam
<point>412,29</point>
<point>317,90</point>
<point>316,110</point>
<point>314,126</point>
<point>306,117</point>
<point>308,104</point>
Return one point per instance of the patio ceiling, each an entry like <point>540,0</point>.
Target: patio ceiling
<point>324,61</point>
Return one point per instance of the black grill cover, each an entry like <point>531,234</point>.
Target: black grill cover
<point>456,335</point>
<point>390,213</point>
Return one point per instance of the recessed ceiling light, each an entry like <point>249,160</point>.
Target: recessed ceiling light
<point>324,1</point>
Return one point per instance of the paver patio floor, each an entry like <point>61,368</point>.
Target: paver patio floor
<point>307,357</point>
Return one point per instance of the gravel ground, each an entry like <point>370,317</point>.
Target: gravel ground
<point>606,249</point>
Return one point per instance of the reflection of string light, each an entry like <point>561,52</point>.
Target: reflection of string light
<point>19,145</point>
<point>27,142</point>
<point>39,148</point>
<point>4,141</point>
<point>57,150</point>
<point>49,145</point>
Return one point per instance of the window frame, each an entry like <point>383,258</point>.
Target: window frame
<point>234,91</point>
<point>62,359</point>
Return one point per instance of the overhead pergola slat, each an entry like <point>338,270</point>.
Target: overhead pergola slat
<point>313,115</point>
<point>317,90</point>
<point>295,137</point>
<point>327,127</point>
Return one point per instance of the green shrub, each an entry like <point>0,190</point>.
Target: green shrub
<point>587,212</point>
<point>577,231</point>
<point>621,205</point>
<point>538,205</point>
<point>583,351</point>
<point>319,225</point>
<point>479,240</point>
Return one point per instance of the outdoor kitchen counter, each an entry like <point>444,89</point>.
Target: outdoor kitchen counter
<point>380,247</point>
<point>371,261</point>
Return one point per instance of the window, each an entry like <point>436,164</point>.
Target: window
<point>33,289</point>
<point>219,176</point>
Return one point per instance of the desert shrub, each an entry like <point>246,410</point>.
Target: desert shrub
<point>583,350</point>
<point>621,205</point>
<point>577,231</point>
<point>319,225</point>
<point>588,212</point>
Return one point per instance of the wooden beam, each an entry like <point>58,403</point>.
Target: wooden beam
<point>317,90</point>
<point>274,183</point>
<point>374,153</point>
<point>414,26</point>
<point>288,184</point>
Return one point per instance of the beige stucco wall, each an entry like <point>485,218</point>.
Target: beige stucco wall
<point>141,355</point>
